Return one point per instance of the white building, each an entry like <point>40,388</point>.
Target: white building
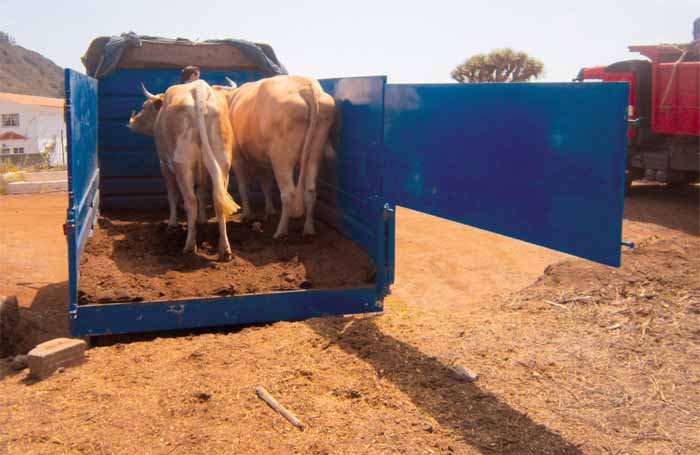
<point>31,128</point>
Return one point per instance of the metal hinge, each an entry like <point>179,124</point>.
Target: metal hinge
<point>388,212</point>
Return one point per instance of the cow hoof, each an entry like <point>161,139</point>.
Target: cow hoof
<point>189,251</point>
<point>309,232</point>
<point>171,228</point>
<point>246,217</point>
<point>280,237</point>
<point>225,256</point>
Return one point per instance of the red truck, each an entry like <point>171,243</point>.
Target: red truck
<point>664,110</point>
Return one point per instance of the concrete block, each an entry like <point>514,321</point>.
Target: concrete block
<point>47,357</point>
<point>45,176</point>
<point>48,186</point>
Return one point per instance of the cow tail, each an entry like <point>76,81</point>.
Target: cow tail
<point>311,96</point>
<point>222,199</point>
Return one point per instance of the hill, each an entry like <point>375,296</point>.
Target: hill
<point>27,72</point>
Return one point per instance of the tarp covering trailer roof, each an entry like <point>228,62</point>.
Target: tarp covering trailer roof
<point>106,54</point>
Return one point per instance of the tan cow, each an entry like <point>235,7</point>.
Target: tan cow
<point>193,137</point>
<point>279,123</point>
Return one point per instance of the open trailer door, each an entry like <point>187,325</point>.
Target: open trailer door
<point>83,171</point>
<point>543,163</point>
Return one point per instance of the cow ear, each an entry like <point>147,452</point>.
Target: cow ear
<point>158,103</point>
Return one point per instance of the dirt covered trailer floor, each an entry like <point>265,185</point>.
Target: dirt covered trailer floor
<point>132,257</point>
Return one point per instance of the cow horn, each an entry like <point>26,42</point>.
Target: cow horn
<point>146,93</point>
<point>230,82</point>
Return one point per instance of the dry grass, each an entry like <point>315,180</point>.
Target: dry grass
<point>617,355</point>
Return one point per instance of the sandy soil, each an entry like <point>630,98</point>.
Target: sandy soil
<point>34,262</point>
<point>572,357</point>
<point>132,259</point>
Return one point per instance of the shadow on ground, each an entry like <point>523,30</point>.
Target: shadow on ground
<point>478,416</point>
<point>45,319</point>
<point>674,208</point>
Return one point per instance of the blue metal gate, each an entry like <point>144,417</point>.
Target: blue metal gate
<point>83,172</point>
<point>544,163</point>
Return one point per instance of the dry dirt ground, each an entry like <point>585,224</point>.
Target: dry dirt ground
<point>572,357</point>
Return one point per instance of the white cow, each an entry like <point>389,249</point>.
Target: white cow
<point>193,137</point>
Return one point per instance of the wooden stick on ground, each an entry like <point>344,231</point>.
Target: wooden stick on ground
<point>581,298</point>
<point>267,398</point>
<point>558,305</point>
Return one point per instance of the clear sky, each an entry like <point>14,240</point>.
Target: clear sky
<point>409,41</point>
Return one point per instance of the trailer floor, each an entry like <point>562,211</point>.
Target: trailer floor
<point>133,258</point>
<point>613,372</point>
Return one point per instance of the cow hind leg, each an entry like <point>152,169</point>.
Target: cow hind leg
<point>312,167</point>
<point>267,186</point>
<point>240,169</point>
<point>172,190</point>
<point>225,253</point>
<point>202,195</point>
<point>310,197</point>
<point>185,180</point>
<point>285,181</point>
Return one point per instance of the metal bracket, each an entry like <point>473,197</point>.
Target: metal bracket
<point>628,244</point>
<point>388,212</point>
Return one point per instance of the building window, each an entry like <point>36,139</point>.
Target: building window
<point>18,150</point>
<point>10,120</point>
<point>5,150</point>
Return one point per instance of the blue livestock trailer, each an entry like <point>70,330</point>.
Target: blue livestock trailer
<point>542,162</point>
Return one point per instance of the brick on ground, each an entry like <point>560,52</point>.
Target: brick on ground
<point>47,357</point>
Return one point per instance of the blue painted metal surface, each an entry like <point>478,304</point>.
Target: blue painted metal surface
<point>244,309</point>
<point>349,184</point>
<point>83,180</point>
<point>542,163</point>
